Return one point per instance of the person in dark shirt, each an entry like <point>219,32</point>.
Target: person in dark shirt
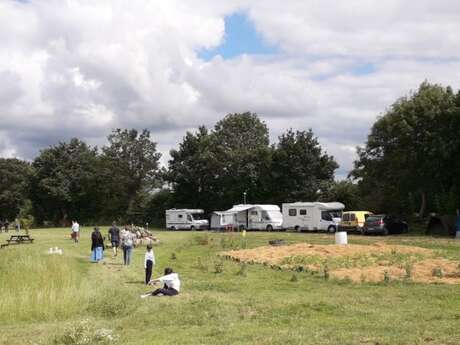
<point>97,245</point>
<point>114,238</point>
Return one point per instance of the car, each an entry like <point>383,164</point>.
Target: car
<point>353,220</point>
<point>384,224</point>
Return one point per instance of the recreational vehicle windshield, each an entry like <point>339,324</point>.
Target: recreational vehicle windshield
<point>312,215</point>
<point>187,219</point>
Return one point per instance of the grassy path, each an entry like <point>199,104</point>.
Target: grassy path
<point>41,295</point>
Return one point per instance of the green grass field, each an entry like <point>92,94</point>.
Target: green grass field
<point>45,298</point>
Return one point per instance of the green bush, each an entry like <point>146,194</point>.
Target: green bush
<point>83,333</point>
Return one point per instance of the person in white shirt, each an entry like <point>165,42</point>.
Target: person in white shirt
<point>75,231</point>
<point>171,284</point>
<point>149,262</point>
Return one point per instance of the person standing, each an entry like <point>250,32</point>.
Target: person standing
<point>17,225</point>
<point>97,245</point>
<point>127,243</point>
<point>75,231</point>
<point>6,224</point>
<point>114,238</point>
<point>149,262</point>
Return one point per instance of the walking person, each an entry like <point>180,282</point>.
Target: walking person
<point>75,231</point>
<point>171,285</point>
<point>149,262</point>
<point>97,245</point>
<point>114,238</point>
<point>127,243</point>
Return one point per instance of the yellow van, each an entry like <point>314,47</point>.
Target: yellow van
<point>353,220</point>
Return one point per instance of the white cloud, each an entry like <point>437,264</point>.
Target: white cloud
<point>80,68</point>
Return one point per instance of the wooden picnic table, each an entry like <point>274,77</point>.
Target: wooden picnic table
<point>18,239</point>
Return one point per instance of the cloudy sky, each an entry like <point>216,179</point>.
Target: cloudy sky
<point>81,68</point>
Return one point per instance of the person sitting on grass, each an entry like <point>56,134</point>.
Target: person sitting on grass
<point>171,284</point>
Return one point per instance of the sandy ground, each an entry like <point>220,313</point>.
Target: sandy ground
<point>421,266</point>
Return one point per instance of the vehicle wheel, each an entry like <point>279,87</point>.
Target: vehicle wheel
<point>385,232</point>
<point>241,227</point>
<point>331,229</point>
<point>362,231</point>
<point>173,228</point>
<point>269,228</point>
<point>192,228</point>
<point>297,228</point>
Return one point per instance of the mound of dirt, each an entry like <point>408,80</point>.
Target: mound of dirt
<point>356,262</point>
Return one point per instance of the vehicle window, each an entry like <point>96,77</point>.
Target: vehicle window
<point>179,216</point>
<point>346,217</point>
<point>373,218</point>
<point>292,212</point>
<point>265,215</point>
<point>254,213</point>
<point>366,215</point>
<point>352,217</point>
<point>189,218</point>
<point>302,212</point>
<point>325,215</point>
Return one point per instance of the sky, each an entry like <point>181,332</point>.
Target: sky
<point>81,68</point>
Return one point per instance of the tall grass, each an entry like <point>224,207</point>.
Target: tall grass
<point>38,286</point>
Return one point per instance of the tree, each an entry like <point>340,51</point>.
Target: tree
<point>345,192</point>
<point>65,183</point>
<point>300,168</point>
<point>243,158</point>
<point>129,172</point>
<point>212,170</point>
<point>14,185</point>
<point>193,171</point>
<point>411,153</point>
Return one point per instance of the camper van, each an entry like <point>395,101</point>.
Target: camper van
<point>312,215</point>
<point>186,219</point>
<point>250,217</point>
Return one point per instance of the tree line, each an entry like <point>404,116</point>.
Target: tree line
<point>408,166</point>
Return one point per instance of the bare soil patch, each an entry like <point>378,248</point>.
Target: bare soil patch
<point>359,263</point>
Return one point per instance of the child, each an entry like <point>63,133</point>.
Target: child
<point>149,262</point>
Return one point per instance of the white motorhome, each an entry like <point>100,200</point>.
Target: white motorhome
<point>186,219</point>
<point>312,215</point>
<point>251,217</point>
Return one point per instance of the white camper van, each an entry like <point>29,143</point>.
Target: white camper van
<point>251,217</point>
<point>312,215</point>
<point>187,219</point>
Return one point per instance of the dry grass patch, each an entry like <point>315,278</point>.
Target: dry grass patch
<point>359,263</point>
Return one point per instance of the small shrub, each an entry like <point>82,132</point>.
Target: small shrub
<point>202,240</point>
<point>84,334</point>
<point>408,268</point>
<point>173,256</point>
<point>437,272</point>
<point>326,274</point>
<point>386,277</point>
<point>294,278</point>
<point>242,271</point>
<point>201,265</point>
<point>219,266</point>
